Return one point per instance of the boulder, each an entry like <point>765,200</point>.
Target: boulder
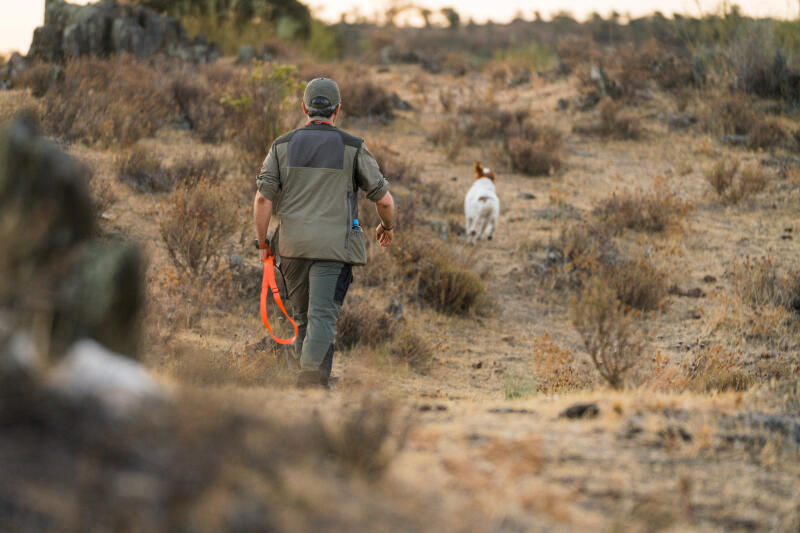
<point>47,190</point>
<point>117,385</point>
<point>106,28</point>
<point>247,54</point>
<point>101,298</point>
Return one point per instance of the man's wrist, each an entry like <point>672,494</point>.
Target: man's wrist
<point>383,226</point>
<point>262,244</point>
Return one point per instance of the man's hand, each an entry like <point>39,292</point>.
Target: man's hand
<point>384,236</point>
<point>265,253</point>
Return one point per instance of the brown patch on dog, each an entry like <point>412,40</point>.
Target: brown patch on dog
<point>480,173</point>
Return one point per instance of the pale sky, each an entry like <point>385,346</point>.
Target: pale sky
<point>20,17</point>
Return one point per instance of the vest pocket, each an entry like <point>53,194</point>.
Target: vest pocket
<point>356,251</point>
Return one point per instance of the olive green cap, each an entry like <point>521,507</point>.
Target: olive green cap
<point>323,87</point>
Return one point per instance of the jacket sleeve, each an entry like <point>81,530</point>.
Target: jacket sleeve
<point>269,179</point>
<point>369,177</point>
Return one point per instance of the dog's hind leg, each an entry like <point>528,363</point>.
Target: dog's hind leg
<point>484,224</point>
<point>490,229</point>
<point>471,235</point>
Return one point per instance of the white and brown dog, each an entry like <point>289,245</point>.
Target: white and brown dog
<point>481,206</point>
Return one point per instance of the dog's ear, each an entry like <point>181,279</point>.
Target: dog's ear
<point>478,168</point>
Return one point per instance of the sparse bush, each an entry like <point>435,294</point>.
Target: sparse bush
<point>37,79</point>
<point>259,107</point>
<point>617,125</point>
<point>451,137</point>
<point>195,224</point>
<point>761,67</point>
<point>714,369</point>
<point>729,115</point>
<point>114,101</point>
<point>362,323</point>
<point>412,350</point>
<point>555,368</point>
<point>733,185</point>
<point>539,157</point>
<point>393,165</point>
<point>609,332</point>
<point>142,170</point>
<point>188,171</point>
<point>518,386</point>
<point>653,211</point>
<point>439,278</point>
<point>362,98</point>
<point>637,283</point>
<point>720,175</point>
<point>766,134</point>
<point>200,105</point>
<point>760,282</point>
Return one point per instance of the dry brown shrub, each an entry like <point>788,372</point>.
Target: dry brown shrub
<point>715,369</point>
<point>653,211</point>
<point>451,137</point>
<point>535,154</point>
<point>555,368</point>
<point>199,104</point>
<point>617,125</point>
<point>610,333</point>
<point>37,79</point>
<point>362,98</point>
<point>729,114</point>
<point>142,170</point>
<point>766,134</point>
<point>108,101</point>
<point>637,283</point>
<point>190,170</point>
<point>361,323</point>
<point>413,350</point>
<point>720,176</point>
<point>584,251</point>
<point>733,183</point>
<point>393,165</point>
<point>438,277</point>
<point>760,283</point>
<point>195,224</point>
<point>200,365</point>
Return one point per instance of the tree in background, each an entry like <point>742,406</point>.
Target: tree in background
<point>235,22</point>
<point>452,16</point>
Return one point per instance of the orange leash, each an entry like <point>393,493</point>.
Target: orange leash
<point>268,284</point>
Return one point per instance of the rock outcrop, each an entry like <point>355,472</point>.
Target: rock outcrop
<point>105,28</point>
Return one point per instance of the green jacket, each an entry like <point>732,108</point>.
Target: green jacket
<point>318,170</point>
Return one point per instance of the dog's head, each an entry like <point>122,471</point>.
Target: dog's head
<point>483,172</point>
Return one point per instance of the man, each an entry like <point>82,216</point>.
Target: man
<point>318,170</point>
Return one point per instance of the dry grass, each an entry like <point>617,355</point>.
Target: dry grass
<point>365,99</point>
<point>536,154</point>
<point>127,102</point>
<point>651,211</point>
<point>361,323</point>
<point>142,170</point>
<point>412,350</point>
<point>393,165</point>
<point>760,282</point>
<point>439,278</point>
<point>610,333</point>
<point>715,369</point>
<point>190,170</point>
<point>732,183</point>
<point>195,224</point>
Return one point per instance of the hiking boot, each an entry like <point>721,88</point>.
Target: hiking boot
<point>307,379</point>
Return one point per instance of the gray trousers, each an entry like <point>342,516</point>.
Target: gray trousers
<point>316,290</point>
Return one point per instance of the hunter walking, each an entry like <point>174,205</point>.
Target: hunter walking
<point>318,170</point>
